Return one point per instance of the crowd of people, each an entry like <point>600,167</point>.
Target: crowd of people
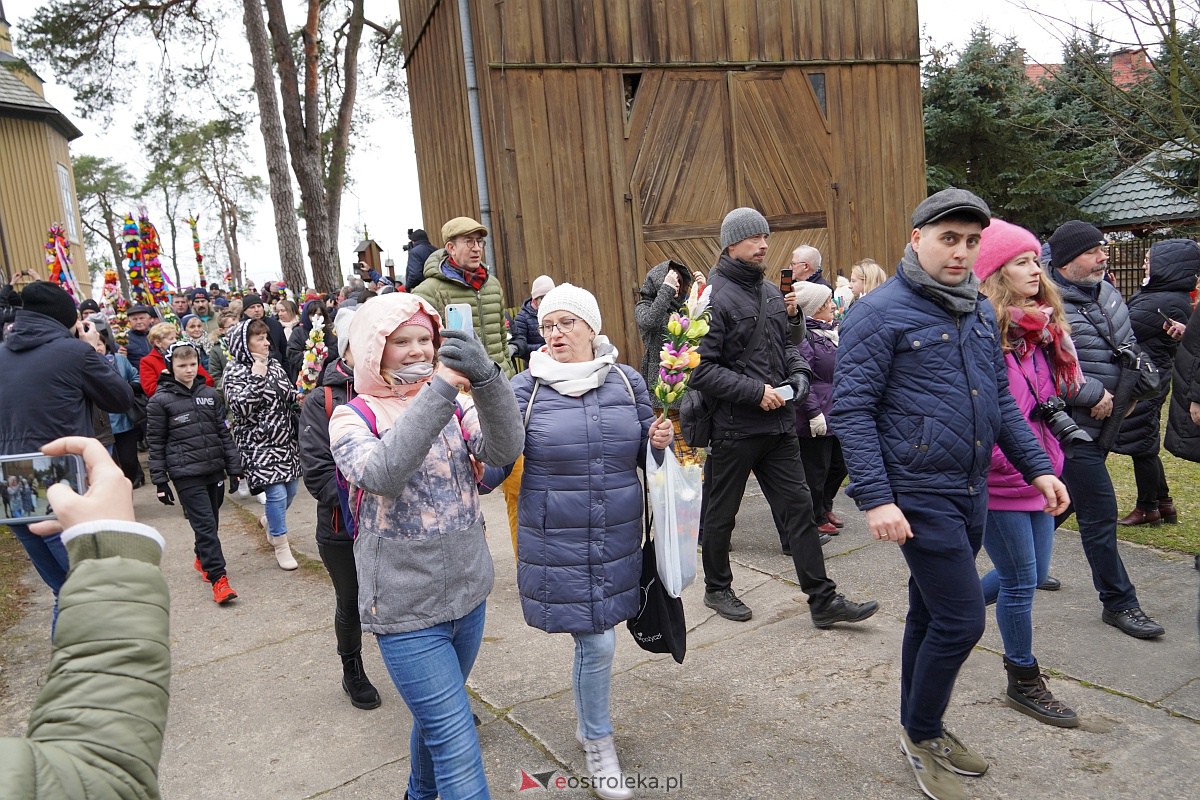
<point>971,399</point>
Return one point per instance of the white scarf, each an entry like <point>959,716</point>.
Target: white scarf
<point>574,379</point>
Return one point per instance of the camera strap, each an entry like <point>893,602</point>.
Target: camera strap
<point>1029,383</point>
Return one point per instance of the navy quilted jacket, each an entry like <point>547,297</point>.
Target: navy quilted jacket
<point>921,396</point>
<point>579,532</point>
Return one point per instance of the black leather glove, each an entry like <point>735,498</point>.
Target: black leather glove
<point>800,383</point>
<point>165,495</point>
<point>234,483</point>
<point>462,352</point>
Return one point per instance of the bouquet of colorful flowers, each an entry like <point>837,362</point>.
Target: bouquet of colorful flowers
<point>315,352</point>
<point>681,346</point>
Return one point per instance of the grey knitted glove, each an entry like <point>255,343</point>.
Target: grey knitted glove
<point>462,352</point>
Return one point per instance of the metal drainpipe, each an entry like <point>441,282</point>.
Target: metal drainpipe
<point>485,206</point>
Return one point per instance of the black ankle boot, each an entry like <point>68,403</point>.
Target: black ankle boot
<point>355,684</point>
<point>1028,693</point>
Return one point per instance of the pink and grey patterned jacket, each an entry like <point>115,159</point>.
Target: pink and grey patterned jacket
<point>421,555</point>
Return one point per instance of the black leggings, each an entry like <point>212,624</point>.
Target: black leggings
<point>339,562</point>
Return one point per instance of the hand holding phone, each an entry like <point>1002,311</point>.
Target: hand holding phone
<point>459,318</point>
<point>786,280</point>
<point>34,483</point>
<point>106,493</point>
<point>1173,328</point>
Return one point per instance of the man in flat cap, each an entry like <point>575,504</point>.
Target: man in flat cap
<point>1100,327</point>
<point>456,274</point>
<point>920,397</point>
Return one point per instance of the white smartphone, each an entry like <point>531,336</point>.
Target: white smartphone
<point>24,479</point>
<point>786,392</point>
<point>459,318</point>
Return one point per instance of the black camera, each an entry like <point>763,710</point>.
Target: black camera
<point>1053,413</point>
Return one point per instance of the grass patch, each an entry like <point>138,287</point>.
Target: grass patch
<point>1182,477</point>
<point>13,563</point>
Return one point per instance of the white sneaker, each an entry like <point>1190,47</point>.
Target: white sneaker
<point>607,781</point>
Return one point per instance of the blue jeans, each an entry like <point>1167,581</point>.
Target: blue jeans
<point>279,500</point>
<point>430,669</point>
<point>945,604</point>
<point>591,679</point>
<point>1094,503</point>
<point>48,554</point>
<point>1019,544</point>
<point>49,557</point>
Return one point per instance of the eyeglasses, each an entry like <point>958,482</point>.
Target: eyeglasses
<point>562,326</point>
<point>472,242</point>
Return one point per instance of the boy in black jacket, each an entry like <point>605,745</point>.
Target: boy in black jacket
<point>191,446</point>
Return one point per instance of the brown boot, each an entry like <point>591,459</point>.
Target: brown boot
<point>1166,510</point>
<point>1141,516</point>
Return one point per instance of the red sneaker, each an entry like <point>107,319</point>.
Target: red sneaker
<point>200,569</point>
<point>222,591</point>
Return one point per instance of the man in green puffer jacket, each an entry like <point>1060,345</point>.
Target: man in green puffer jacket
<point>96,731</point>
<point>457,274</point>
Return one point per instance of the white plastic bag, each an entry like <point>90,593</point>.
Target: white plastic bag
<point>675,502</point>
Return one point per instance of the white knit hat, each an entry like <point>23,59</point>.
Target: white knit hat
<point>811,296</point>
<point>341,328</point>
<point>573,299</point>
<point>541,285</point>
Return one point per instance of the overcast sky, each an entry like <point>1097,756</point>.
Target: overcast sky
<point>384,195</point>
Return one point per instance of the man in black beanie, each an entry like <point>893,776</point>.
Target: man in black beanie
<point>254,308</point>
<point>1100,327</point>
<point>53,376</point>
<point>749,372</point>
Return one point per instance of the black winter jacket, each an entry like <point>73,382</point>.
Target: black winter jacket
<point>315,457</point>
<point>1097,315</point>
<point>734,303</point>
<point>1174,265</point>
<point>1183,435</point>
<point>49,381</point>
<point>189,440</point>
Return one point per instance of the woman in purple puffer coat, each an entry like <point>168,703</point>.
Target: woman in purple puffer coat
<point>818,445</point>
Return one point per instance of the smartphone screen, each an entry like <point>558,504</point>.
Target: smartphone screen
<point>24,479</point>
<point>785,280</point>
<point>458,317</point>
